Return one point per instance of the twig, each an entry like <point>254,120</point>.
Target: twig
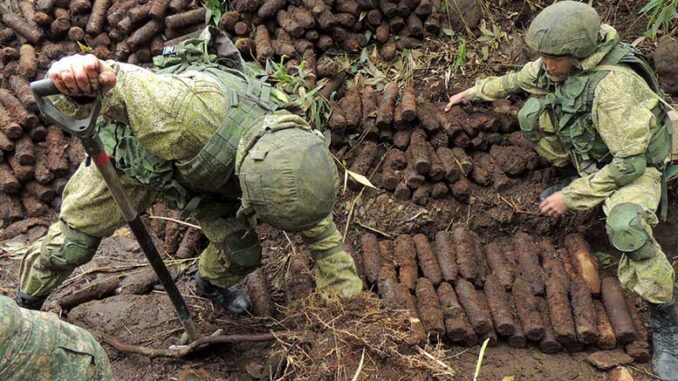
<point>360,367</point>
<point>641,370</point>
<point>374,230</point>
<point>180,222</point>
<point>193,346</point>
<point>449,370</point>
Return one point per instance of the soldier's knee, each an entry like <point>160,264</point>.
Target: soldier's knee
<point>628,233</point>
<point>77,249</point>
<point>244,253</point>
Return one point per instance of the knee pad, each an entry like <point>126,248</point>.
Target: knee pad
<point>244,252</point>
<point>627,233</point>
<point>77,249</point>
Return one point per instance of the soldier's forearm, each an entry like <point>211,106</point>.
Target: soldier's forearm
<point>588,191</point>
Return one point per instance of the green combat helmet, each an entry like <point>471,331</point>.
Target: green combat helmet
<point>566,28</point>
<point>288,178</point>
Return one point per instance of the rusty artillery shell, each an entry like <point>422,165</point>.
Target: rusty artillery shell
<point>499,303</point>
<point>428,307</point>
<point>528,262</point>
<point>585,264</point>
<point>526,306</point>
<point>370,255</point>
<point>548,343</point>
<point>607,339</point>
<point>638,349</point>
<point>560,311</point>
<point>497,263</point>
<point>405,256</point>
<point>470,257</point>
<point>427,259</point>
<point>456,324</point>
<point>615,306</point>
<point>445,253</point>
<point>478,316</point>
<point>584,312</point>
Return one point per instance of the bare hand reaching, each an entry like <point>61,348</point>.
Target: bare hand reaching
<point>82,75</point>
<point>462,97</point>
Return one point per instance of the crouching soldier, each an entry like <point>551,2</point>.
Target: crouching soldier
<point>205,138</point>
<point>594,104</point>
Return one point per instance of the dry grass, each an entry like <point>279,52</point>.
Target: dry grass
<point>344,338</point>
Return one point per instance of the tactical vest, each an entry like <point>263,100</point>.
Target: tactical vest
<point>571,104</point>
<point>186,184</point>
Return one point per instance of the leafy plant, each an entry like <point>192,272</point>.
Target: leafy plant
<point>660,14</point>
<point>606,260</point>
<point>316,107</point>
<point>490,38</point>
<point>214,9</point>
<point>460,57</point>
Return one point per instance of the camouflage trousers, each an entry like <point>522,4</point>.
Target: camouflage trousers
<point>37,346</point>
<point>653,278</point>
<point>89,209</point>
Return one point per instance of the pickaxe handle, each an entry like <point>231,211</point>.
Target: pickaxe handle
<point>85,130</point>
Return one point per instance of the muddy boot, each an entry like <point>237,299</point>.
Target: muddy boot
<point>230,299</point>
<point>557,187</point>
<point>29,302</point>
<point>664,320</point>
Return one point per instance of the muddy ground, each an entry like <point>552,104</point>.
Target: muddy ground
<point>324,346</point>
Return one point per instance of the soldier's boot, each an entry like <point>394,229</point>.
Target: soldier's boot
<point>29,302</point>
<point>229,298</point>
<point>664,321</point>
<point>336,274</point>
<point>557,187</point>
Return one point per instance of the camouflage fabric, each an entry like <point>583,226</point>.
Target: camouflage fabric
<point>334,271</point>
<point>566,28</point>
<point>652,278</point>
<point>612,107</point>
<point>37,346</point>
<point>87,207</point>
<point>622,99</point>
<point>288,177</point>
<point>171,116</point>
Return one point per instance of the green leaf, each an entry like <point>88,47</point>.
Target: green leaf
<point>449,32</point>
<point>364,55</point>
<point>360,179</point>
<point>84,48</point>
<point>606,260</point>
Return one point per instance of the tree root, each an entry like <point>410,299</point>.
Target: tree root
<point>185,350</point>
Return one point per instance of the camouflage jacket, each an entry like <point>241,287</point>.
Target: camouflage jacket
<point>173,116</point>
<point>37,346</point>
<point>621,114</point>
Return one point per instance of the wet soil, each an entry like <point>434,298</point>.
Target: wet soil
<point>149,319</point>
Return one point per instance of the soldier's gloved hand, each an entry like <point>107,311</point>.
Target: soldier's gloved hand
<point>82,75</point>
<point>462,97</point>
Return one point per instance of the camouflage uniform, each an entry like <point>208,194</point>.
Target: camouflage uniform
<point>157,127</point>
<point>37,346</point>
<point>623,120</point>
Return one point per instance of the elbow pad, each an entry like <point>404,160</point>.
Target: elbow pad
<point>625,170</point>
